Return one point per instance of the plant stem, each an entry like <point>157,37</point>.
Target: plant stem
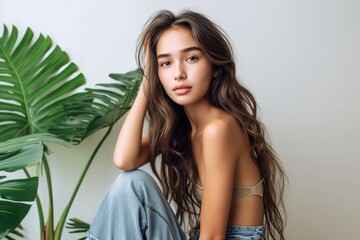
<point>41,217</point>
<point>39,208</point>
<point>63,217</point>
<point>49,235</point>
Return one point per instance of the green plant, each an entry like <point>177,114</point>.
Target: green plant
<point>37,105</point>
<point>17,191</point>
<point>78,226</point>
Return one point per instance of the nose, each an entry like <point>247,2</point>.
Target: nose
<point>179,72</point>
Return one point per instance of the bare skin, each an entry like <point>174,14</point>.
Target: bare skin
<point>220,147</point>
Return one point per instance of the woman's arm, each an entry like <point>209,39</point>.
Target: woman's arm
<point>220,156</point>
<point>132,148</point>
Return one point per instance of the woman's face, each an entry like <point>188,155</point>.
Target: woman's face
<point>184,70</point>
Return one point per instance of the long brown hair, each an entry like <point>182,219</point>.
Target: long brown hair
<point>169,127</point>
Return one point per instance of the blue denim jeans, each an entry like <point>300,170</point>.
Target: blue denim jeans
<point>135,208</point>
<point>240,233</point>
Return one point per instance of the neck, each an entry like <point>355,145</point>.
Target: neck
<point>198,114</point>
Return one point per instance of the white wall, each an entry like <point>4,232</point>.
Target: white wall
<point>299,58</point>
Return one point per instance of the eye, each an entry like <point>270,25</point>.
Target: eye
<point>165,64</point>
<point>192,59</point>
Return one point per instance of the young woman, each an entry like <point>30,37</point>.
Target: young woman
<point>216,164</point>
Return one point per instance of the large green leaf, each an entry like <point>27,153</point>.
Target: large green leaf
<point>27,156</point>
<point>36,79</point>
<point>18,189</point>
<point>113,100</point>
<point>15,193</point>
<point>11,214</point>
<point>36,84</point>
<point>17,143</point>
<point>107,103</point>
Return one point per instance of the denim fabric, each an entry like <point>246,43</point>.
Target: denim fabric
<point>135,208</point>
<point>240,233</point>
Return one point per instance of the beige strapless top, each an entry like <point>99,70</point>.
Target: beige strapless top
<point>239,192</point>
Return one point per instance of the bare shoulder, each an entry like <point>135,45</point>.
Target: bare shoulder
<point>225,134</point>
<point>222,126</point>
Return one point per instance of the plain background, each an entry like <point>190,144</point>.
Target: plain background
<point>299,58</point>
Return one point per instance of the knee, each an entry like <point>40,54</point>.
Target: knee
<point>137,176</point>
<point>131,180</point>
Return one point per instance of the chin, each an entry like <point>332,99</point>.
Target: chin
<point>186,100</point>
<point>182,103</point>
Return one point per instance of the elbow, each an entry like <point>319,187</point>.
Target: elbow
<point>128,160</point>
<point>118,162</point>
<point>122,164</point>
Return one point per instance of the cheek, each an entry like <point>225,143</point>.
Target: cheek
<point>162,78</point>
<point>205,70</point>
<point>207,76</point>
<point>165,83</point>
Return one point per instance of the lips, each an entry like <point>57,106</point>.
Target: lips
<point>181,89</point>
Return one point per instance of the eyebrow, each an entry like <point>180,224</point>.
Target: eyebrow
<point>183,51</point>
